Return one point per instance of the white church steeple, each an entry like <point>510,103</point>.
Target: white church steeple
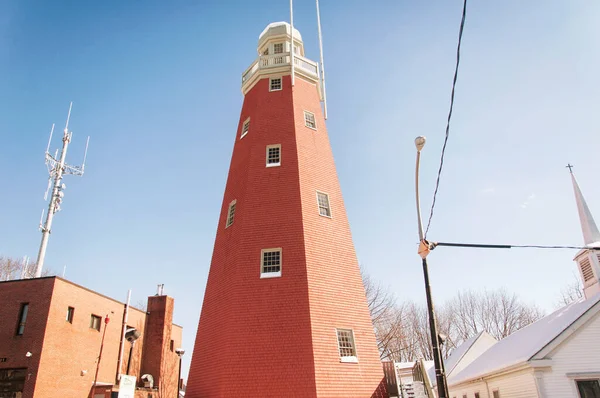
<point>588,260</point>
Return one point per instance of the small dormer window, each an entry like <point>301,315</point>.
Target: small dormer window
<point>278,48</point>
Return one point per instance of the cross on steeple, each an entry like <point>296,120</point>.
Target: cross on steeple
<point>570,167</point>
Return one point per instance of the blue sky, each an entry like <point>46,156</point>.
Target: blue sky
<point>157,87</point>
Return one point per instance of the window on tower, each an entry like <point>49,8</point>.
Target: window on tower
<point>278,48</point>
<point>309,120</point>
<point>230,213</point>
<point>270,263</point>
<point>273,155</point>
<point>323,202</point>
<point>346,345</point>
<point>275,84</point>
<point>245,128</point>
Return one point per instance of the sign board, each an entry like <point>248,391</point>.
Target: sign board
<point>127,387</point>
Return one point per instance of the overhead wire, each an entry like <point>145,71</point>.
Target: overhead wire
<point>437,183</point>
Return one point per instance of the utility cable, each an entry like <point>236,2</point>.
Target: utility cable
<point>433,245</point>
<point>437,183</point>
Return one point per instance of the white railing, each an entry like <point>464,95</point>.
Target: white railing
<point>277,60</point>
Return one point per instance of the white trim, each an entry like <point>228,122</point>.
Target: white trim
<point>229,214</point>
<point>314,119</point>
<point>267,275</point>
<point>328,204</point>
<point>267,158</point>
<point>262,259</point>
<point>584,375</point>
<point>244,130</point>
<point>271,83</point>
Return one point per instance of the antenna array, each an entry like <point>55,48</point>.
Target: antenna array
<point>57,169</point>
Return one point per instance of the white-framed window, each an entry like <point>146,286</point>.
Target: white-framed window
<point>273,155</point>
<point>245,128</point>
<point>323,203</point>
<point>270,263</point>
<point>496,393</point>
<point>309,120</point>
<point>588,388</point>
<point>346,345</point>
<point>278,48</point>
<point>275,84</point>
<point>230,213</point>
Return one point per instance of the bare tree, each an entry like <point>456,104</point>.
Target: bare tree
<point>402,329</point>
<point>570,293</point>
<point>11,269</point>
<point>496,312</point>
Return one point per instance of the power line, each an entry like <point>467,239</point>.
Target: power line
<point>433,245</point>
<point>437,183</point>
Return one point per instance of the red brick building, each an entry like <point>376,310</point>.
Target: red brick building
<point>284,312</point>
<point>50,337</point>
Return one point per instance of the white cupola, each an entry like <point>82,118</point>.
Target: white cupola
<point>274,57</point>
<point>588,259</point>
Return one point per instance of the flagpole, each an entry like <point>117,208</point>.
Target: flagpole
<point>292,40</point>
<point>322,64</point>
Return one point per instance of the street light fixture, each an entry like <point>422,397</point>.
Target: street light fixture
<point>424,249</point>
<point>179,352</point>
<point>131,335</point>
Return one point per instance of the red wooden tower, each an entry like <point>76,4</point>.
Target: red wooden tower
<point>284,312</point>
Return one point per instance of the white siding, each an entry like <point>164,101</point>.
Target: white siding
<point>514,385</point>
<point>579,353</point>
<point>470,390</point>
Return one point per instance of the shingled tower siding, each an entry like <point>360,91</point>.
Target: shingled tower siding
<point>276,336</point>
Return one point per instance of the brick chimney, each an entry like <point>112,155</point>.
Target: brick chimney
<point>157,336</point>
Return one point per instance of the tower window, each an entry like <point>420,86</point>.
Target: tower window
<point>230,213</point>
<point>245,128</point>
<point>270,266</point>
<point>278,48</point>
<point>346,345</point>
<point>275,84</point>
<point>266,52</point>
<point>70,313</point>
<point>22,318</point>
<point>496,393</point>
<point>323,202</point>
<point>95,322</point>
<point>309,120</point>
<point>273,155</point>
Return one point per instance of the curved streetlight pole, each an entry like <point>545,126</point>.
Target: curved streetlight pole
<point>440,376</point>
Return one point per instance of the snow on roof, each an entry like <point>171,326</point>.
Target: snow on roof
<point>523,344</point>
<point>460,352</point>
<point>404,365</point>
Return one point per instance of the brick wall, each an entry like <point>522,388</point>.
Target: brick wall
<point>64,354</point>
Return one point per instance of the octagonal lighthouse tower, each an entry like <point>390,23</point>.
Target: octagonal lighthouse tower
<point>284,312</point>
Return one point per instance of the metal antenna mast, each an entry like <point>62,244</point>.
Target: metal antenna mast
<point>57,168</point>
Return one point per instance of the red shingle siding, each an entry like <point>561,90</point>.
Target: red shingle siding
<point>276,337</point>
